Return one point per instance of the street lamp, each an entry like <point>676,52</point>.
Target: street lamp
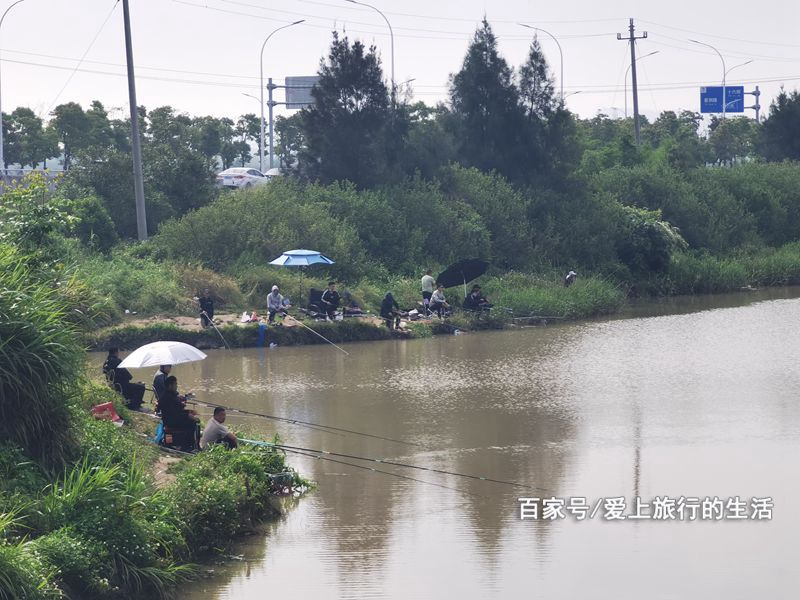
<point>2,156</point>
<point>737,66</point>
<point>626,78</point>
<point>560,52</point>
<point>724,71</point>
<point>391,36</point>
<point>261,148</point>
<point>572,94</point>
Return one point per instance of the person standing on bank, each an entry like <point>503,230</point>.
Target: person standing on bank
<point>330,300</point>
<point>216,433</point>
<point>427,291</point>
<point>206,308</point>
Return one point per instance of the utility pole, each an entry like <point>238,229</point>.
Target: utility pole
<point>631,39</point>
<point>136,140</point>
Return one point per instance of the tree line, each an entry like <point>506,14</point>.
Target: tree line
<point>502,169</point>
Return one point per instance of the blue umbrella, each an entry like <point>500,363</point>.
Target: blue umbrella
<point>301,258</point>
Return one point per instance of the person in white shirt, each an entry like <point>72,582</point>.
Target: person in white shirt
<point>427,290</point>
<point>215,432</point>
<point>438,301</point>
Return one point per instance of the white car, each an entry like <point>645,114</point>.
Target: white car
<point>241,178</point>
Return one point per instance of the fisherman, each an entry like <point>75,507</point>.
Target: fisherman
<point>438,302</point>
<point>570,278</point>
<point>206,308</point>
<point>475,301</point>
<point>427,291</point>
<point>161,375</point>
<point>390,311</point>
<point>120,379</point>
<point>276,303</point>
<point>330,300</point>
<point>176,417</point>
<point>216,433</point>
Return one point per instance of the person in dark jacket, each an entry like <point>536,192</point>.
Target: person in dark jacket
<point>206,308</point>
<point>182,422</point>
<point>390,311</point>
<point>475,301</point>
<point>121,380</point>
<point>330,300</point>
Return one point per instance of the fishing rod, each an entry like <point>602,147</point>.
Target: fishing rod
<point>385,462</point>
<point>374,470</point>
<point>304,423</point>
<point>210,320</point>
<point>285,314</point>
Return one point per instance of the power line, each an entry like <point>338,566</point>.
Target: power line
<point>586,89</point>
<point>80,62</point>
<point>731,52</point>
<point>439,35</point>
<point>462,19</point>
<point>721,37</point>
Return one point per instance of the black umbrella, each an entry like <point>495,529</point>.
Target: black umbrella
<point>462,272</point>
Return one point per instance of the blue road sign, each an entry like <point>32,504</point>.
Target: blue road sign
<point>711,99</point>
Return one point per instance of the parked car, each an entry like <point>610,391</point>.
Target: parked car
<point>240,178</point>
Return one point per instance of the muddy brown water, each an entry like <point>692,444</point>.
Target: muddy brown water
<point>687,398</point>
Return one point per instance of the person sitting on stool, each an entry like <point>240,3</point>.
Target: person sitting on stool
<point>216,433</point>
<point>121,380</point>
<point>276,303</point>
<point>390,311</point>
<point>176,417</point>
<point>330,300</point>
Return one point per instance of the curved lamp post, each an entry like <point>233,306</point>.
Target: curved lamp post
<point>2,155</point>
<point>261,78</point>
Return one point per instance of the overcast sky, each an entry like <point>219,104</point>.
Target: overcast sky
<point>201,56</point>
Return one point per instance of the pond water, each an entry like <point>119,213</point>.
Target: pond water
<point>688,398</point>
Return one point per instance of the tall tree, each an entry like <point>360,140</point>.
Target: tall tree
<point>71,127</point>
<point>780,135</point>
<point>348,129</point>
<point>536,90</point>
<point>485,104</point>
<point>27,142</point>
<point>248,128</point>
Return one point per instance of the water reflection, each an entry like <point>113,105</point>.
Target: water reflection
<point>700,403</point>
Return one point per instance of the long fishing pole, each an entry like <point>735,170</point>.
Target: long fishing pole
<point>305,423</point>
<point>374,470</point>
<point>316,333</point>
<point>385,462</point>
<point>210,320</point>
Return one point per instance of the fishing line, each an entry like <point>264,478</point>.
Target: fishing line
<point>316,333</point>
<point>210,320</point>
<point>304,423</point>
<point>389,462</point>
<point>374,470</point>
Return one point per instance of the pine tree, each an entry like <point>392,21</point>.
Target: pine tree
<point>350,130</point>
<point>485,104</point>
<point>536,90</point>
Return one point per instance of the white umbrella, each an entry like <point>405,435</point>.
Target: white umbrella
<point>161,353</point>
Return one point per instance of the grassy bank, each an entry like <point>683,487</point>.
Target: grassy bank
<point>80,513</point>
<point>514,294</point>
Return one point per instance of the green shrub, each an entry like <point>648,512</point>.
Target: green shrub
<point>40,361</point>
